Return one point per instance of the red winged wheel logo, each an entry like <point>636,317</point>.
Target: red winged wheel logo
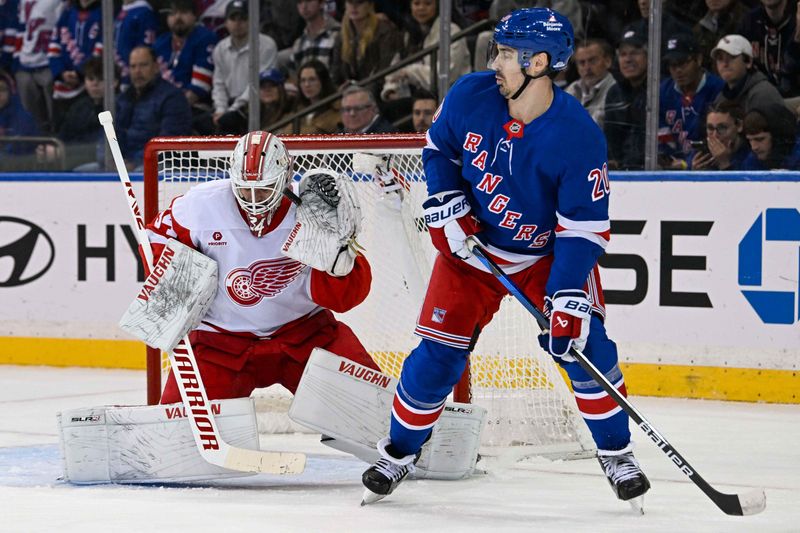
<point>262,279</point>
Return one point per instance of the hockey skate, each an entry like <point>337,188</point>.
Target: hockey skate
<point>386,474</point>
<point>624,475</point>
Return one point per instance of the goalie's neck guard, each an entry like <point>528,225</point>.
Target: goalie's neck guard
<point>264,223</point>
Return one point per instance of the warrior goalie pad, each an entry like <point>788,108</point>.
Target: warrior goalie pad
<point>174,298</point>
<point>328,222</point>
<point>148,444</point>
<point>352,403</point>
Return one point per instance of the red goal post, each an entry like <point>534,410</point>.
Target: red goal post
<point>527,400</point>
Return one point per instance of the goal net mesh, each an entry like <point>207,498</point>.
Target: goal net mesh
<point>529,404</point>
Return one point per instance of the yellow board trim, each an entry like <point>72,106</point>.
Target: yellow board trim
<point>675,381</point>
<point>94,353</point>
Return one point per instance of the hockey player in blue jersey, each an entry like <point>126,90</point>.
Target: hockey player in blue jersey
<point>519,164</point>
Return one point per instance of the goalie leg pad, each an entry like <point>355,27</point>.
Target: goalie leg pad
<point>352,404</point>
<point>174,298</point>
<point>148,444</point>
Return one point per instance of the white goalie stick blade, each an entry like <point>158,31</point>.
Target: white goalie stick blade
<point>206,433</point>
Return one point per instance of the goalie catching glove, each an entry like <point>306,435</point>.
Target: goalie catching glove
<point>448,219</point>
<point>328,222</point>
<point>570,314</point>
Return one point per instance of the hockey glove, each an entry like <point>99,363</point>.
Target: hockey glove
<point>570,313</point>
<point>448,219</point>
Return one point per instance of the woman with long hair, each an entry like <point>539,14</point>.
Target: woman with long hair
<point>315,84</point>
<point>423,31</point>
<point>365,45</point>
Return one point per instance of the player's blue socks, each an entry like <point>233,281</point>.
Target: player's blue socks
<point>607,422</point>
<point>429,374</point>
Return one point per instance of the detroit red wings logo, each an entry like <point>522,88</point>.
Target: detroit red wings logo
<point>262,279</point>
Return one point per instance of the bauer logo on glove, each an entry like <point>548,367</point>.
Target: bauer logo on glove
<point>570,313</point>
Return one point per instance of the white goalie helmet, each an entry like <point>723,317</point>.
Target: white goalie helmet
<point>260,169</point>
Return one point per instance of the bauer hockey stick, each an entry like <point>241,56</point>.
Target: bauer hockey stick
<point>206,433</point>
<point>749,503</point>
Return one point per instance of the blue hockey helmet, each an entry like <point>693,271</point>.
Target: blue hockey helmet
<point>534,30</point>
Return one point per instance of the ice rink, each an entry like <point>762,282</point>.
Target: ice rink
<point>734,446</point>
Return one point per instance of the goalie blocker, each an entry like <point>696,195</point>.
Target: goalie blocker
<point>350,404</point>
<point>174,297</point>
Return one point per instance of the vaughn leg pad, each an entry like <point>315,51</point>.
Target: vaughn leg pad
<point>352,404</point>
<point>148,444</point>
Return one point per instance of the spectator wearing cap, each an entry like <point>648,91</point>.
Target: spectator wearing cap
<point>184,57</point>
<point>744,84</point>
<point>725,147</point>
<point>360,112</point>
<point>684,97</point>
<point>626,104</point>
<point>593,58</point>
<point>150,107</point>
<point>274,104</point>
<point>771,131</point>
<point>722,17</point>
<point>231,59</point>
<point>772,30</point>
<point>318,37</point>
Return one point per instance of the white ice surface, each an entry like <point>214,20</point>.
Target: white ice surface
<point>734,446</point>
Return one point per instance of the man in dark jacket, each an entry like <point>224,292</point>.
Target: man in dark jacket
<point>771,29</point>
<point>360,113</point>
<point>626,104</point>
<point>744,84</point>
<point>151,107</point>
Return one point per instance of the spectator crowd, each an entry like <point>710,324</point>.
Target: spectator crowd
<point>728,99</point>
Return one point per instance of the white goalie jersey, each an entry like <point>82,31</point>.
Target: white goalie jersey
<point>259,289</point>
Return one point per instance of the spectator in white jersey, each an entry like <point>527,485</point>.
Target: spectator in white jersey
<point>34,78</point>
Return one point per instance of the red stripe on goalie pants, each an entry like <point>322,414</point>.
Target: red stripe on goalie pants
<point>415,419</point>
<point>599,405</point>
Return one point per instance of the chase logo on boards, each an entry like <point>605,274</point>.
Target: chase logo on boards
<point>29,248</point>
<point>772,306</point>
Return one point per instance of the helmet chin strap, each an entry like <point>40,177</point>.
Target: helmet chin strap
<point>528,79</point>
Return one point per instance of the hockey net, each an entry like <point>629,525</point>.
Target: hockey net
<point>528,402</point>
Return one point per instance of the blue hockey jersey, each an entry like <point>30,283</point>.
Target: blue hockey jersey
<point>190,66</point>
<point>680,118</point>
<point>537,188</point>
<point>136,25</point>
<point>77,37</point>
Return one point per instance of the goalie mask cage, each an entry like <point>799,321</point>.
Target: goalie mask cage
<point>529,405</point>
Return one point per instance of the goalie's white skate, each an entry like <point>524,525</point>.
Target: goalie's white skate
<point>386,474</point>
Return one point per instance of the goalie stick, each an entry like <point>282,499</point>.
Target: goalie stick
<point>749,503</point>
<point>206,434</point>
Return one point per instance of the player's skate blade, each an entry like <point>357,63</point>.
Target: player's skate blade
<point>637,504</point>
<point>625,476</point>
<point>386,474</point>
